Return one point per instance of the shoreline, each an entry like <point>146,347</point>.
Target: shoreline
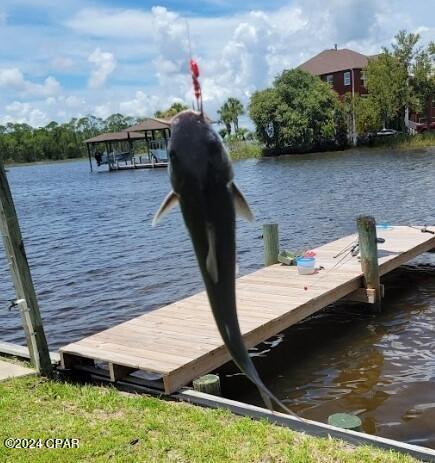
<point>42,162</point>
<point>246,150</point>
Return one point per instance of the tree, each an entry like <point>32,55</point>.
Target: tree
<point>222,133</point>
<point>402,78</point>
<point>387,85</point>
<point>115,123</point>
<point>423,80</point>
<point>236,109</point>
<point>366,113</point>
<point>229,114</point>
<point>263,110</point>
<point>404,49</point>
<point>225,117</point>
<point>173,110</point>
<point>298,111</point>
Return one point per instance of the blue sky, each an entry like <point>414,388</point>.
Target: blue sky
<point>66,58</point>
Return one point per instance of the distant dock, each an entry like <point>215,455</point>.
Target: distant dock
<point>142,146</point>
<point>180,342</point>
<point>135,163</point>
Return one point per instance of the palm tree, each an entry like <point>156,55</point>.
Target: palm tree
<point>236,109</point>
<point>225,117</point>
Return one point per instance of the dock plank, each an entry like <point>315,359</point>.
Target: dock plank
<point>180,341</point>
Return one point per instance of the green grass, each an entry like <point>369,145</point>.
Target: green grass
<point>9,163</point>
<point>114,427</point>
<point>244,150</point>
<point>424,140</point>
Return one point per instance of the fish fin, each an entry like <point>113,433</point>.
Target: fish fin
<point>211,262</point>
<point>240,204</point>
<point>168,203</point>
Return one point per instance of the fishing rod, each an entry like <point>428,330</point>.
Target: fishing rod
<point>346,257</point>
<point>349,251</point>
<point>346,248</point>
<point>423,229</point>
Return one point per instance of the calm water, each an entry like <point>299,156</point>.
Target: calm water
<point>96,262</point>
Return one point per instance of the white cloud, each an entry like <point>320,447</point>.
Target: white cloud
<point>104,64</point>
<point>146,105</point>
<point>103,110</point>
<point>13,79</point>
<point>74,101</point>
<point>62,63</point>
<point>24,113</point>
<point>71,102</point>
<point>119,23</point>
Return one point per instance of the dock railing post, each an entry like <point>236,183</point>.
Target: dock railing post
<point>271,243</point>
<point>369,256</point>
<point>22,279</point>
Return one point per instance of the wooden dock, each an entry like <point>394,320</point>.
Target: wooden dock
<point>180,342</point>
<point>124,165</point>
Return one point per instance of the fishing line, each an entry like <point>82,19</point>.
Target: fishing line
<point>352,243</point>
<point>347,257</point>
<point>189,42</point>
<point>194,71</point>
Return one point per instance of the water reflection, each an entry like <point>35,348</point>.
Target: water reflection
<point>347,359</point>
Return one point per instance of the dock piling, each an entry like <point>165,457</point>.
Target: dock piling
<point>22,279</point>
<point>369,256</point>
<point>271,243</point>
<point>209,384</point>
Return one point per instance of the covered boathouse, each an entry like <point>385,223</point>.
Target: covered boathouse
<point>142,146</point>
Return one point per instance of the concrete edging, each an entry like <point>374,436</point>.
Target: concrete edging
<point>314,428</point>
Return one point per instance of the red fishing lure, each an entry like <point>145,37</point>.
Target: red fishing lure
<point>194,70</point>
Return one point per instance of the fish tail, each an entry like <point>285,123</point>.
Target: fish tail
<point>266,399</point>
<point>269,399</point>
<point>246,365</point>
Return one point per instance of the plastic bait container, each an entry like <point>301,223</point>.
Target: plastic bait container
<point>306,265</point>
<point>384,226</point>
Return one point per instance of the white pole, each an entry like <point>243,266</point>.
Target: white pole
<point>353,110</point>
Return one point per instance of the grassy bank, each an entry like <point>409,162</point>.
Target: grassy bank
<point>245,150</point>
<point>122,428</point>
<point>43,161</point>
<point>402,141</point>
<point>239,149</point>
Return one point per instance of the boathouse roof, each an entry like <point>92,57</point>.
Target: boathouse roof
<point>115,136</point>
<point>330,61</point>
<point>150,123</point>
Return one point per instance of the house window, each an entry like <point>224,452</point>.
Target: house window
<point>347,78</point>
<point>364,77</point>
<point>330,79</point>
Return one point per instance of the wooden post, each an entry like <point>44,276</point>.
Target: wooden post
<point>130,145</point>
<point>345,421</point>
<point>209,384</point>
<point>271,243</point>
<point>22,279</point>
<point>369,256</point>
<point>89,155</point>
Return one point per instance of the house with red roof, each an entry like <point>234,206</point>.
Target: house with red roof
<point>344,70</point>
